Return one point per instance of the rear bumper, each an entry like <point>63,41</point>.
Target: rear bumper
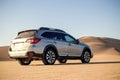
<point>24,54</point>
<point>20,54</point>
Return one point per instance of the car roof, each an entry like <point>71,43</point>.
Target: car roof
<point>41,30</point>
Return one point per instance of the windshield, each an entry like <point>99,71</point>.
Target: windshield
<point>25,34</point>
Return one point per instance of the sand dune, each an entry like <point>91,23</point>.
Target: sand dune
<point>102,45</point>
<point>4,54</point>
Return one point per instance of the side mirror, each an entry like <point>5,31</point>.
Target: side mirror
<point>77,41</point>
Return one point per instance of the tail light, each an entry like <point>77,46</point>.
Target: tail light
<point>33,40</point>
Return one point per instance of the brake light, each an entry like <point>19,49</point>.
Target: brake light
<point>32,40</point>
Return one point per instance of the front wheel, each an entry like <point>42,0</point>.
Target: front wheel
<point>49,57</point>
<point>85,58</point>
<point>24,61</point>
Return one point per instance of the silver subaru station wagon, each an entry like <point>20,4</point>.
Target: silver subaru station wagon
<point>48,45</point>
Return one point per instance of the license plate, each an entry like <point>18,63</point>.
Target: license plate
<point>19,46</point>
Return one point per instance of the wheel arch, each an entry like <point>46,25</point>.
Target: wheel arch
<point>88,49</point>
<point>51,47</point>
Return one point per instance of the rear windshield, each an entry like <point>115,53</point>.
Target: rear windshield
<point>25,34</point>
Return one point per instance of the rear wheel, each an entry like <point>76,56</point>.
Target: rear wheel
<point>62,60</point>
<point>49,57</point>
<point>24,61</point>
<point>85,58</point>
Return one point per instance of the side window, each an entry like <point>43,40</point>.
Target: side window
<point>68,38</point>
<point>50,35</point>
<point>60,36</point>
<point>54,35</point>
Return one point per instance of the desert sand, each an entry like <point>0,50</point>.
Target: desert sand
<point>105,65</point>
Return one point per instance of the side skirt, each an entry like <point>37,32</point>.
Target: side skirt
<point>70,57</point>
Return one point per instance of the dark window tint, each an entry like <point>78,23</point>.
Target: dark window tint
<point>53,35</point>
<point>25,34</point>
<point>60,36</point>
<point>50,35</point>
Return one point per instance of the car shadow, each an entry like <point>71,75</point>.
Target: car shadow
<point>91,63</point>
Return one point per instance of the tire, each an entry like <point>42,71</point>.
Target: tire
<point>24,61</point>
<point>85,58</point>
<point>62,60</point>
<point>49,57</point>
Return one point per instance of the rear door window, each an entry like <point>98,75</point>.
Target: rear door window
<point>54,35</point>
<point>50,35</point>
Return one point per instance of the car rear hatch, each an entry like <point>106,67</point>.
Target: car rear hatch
<point>23,40</point>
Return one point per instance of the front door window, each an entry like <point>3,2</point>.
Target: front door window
<point>69,39</point>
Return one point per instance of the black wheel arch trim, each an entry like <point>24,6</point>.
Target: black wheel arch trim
<point>87,48</point>
<point>53,47</point>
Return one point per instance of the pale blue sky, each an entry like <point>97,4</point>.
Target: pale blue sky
<point>78,17</point>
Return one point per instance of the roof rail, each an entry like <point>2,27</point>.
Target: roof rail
<point>46,28</point>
